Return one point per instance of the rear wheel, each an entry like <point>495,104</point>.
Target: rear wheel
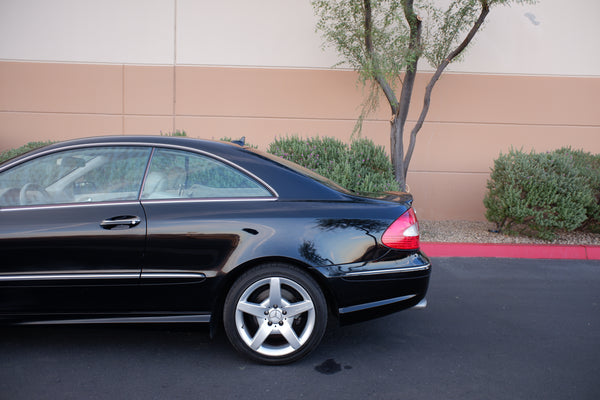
<point>275,314</point>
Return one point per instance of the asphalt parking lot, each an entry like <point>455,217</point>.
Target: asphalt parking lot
<point>493,329</point>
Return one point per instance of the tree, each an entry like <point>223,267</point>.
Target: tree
<point>385,39</point>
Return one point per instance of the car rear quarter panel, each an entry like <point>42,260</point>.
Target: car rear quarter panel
<point>218,236</point>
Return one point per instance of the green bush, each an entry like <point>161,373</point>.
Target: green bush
<point>8,154</point>
<point>539,194</point>
<point>361,166</point>
<point>177,133</point>
<point>588,166</point>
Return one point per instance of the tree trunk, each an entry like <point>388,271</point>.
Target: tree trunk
<point>397,152</point>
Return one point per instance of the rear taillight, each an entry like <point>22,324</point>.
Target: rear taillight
<point>403,234</point>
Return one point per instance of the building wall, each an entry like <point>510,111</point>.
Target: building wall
<point>236,68</point>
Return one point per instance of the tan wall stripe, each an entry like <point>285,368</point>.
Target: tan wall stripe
<point>472,119</point>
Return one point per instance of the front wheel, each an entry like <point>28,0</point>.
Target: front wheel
<point>275,314</point>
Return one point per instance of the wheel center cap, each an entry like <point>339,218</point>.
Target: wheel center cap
<point>275,316</point>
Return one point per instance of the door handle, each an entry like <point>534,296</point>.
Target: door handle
<point>126,222</point>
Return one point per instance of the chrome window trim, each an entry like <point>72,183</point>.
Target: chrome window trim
<point>137,202</point>
<point>68,205</point>
<point>207,200</point>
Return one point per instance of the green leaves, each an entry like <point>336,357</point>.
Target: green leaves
<point>176,133</point>
<point>342,23</point>
<point>361,166</point>
<point>343,26</point>
<point>537,194</point>
<point>446,27</point>
<point>8,154</point>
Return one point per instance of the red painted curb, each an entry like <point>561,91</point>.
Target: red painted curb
<point>501,250</point>
<point>593,252</point>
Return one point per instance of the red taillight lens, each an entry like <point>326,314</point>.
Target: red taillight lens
<point>403,234</point>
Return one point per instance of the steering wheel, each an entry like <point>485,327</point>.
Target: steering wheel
<point>32,193</point>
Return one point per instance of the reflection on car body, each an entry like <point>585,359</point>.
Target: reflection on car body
<point>163,229</point>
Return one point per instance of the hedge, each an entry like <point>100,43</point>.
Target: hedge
<point>539,194</point>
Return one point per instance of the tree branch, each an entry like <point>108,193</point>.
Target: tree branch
<point>485,9</point>
<point>414,44</point>
<point>379,77</point>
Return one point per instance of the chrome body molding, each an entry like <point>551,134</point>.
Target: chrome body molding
<point>111,275</point>
<point>390,271</point>
<point>374,304</point>
<point>173,275</point>
<point>66,276</point>
<point>159,319</point>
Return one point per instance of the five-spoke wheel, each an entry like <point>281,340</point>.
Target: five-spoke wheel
<point>275,314</point>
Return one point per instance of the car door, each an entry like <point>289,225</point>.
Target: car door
<point>72,231</point>
<point>190,201</point>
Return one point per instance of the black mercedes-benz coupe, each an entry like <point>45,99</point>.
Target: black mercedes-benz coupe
<point>171,229</point>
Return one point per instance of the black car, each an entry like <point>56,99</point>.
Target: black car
<point>170,229</point>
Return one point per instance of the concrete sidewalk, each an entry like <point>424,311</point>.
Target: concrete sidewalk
<point>534,251</point>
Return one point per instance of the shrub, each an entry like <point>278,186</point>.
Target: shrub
<point>588,166</point>
<point>177,133</point>
<point>8,154</point>
<point>361,166</point>
<point>538,194</point>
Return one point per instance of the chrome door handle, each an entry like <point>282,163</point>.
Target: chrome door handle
<point>127,221</point>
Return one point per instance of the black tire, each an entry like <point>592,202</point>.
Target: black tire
<point>275,314</point>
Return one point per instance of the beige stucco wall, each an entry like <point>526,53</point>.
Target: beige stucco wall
<point>473,116</point>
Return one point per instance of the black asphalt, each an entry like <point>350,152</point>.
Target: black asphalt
<point>493,329</point>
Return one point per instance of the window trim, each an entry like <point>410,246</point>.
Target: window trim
<point>68,205</point>
<point>207,200</point>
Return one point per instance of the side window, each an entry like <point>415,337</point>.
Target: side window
<point>74,176</point>
<point>180,174</point>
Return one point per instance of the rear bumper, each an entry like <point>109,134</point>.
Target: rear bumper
<point>364,291</point>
